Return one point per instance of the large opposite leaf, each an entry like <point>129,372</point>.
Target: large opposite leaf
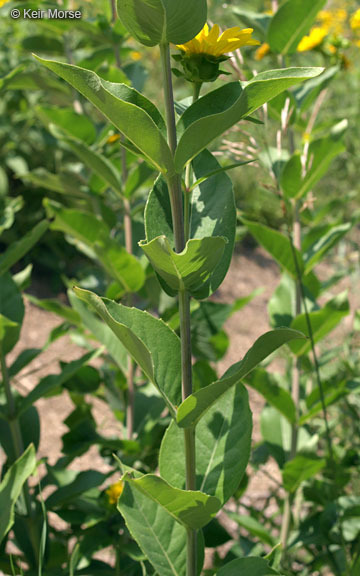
<point>291,22</point>
<point>196,405</point>
<point>213,213</point>
<point>19,248</point>
<point>188,270</point>
<point>11,486</point>
<point>247,566</point>
<point>154,22</point>
<point>219,110</point>
<point>192,509</point>
<point>222,439</point>
<point>160,537</point>
<point>152,344</point>
<point>322,322</point>
<point>135,116</point>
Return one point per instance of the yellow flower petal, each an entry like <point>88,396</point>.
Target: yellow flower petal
<point>314,39</point>
<point>209,42</point>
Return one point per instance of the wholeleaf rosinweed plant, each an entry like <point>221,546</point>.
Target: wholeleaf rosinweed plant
<point>189,242</point>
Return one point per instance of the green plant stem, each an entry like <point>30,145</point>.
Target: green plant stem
<point>188,176</point>
<point>18,444</point>
<point>295,392</point>
<point>175,193</point>
<point>130,408</point>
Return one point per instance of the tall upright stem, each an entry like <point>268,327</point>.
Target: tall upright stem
<point>295,388</point>
<point>175,193</point>
<point>188,176</point>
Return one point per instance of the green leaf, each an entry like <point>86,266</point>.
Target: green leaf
<point>9,206</point>
<point>19,248</point>
<point>222,440</point>
<point>152,344</point>
<point>267,385</point>
<point>257,20</point>
<point>74,125</point>
<point>11,486</point>
<point>281,305</point>
<point>277,245</point>
<point>56,307</point>
<point>82,483</point>
<point>154,22</point>
<point>137,178</point>
<point>192,509</point>
<point>322,322</point>
<point>318,249</point>
<point>253,526</point>
<point>12,308</point>
<point>95,234</point>
<point>220,109</point>
<point>305,94</point>
<point>188,270</point>
<point>301,468</point>
<point>196,405</point>
<point>50,383</point>
<point>320,155</point>
<point>5,325</point>
<point>252,566</point>
<point>160,537</point>
<point>98,163</point>
<point>213,213</point>
<point>290,23</point>
<point>218,171</point>
<point>135,116</point>
<point>101,332</point>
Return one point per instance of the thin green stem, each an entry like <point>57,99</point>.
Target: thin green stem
<point>175,193</point>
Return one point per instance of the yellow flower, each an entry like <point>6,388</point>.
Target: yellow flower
<point>209,42</point>
<point>326,18</point>
<point>134,55</point>
<point>113,138</point>
<point>314,39</point>
<point>355,20</point>
<point>3,2</point>
<point>114,491</point>
<point>262,51</point>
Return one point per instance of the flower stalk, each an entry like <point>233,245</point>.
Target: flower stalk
<point>175,193</point>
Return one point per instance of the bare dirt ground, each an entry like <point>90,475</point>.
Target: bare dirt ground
<point>249,270</point>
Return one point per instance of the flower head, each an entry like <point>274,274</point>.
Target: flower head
<point>114,491</point>
<point>355,20</point>
<point>209,42</point>
<point>201,56</point>
<point>314,39</point>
